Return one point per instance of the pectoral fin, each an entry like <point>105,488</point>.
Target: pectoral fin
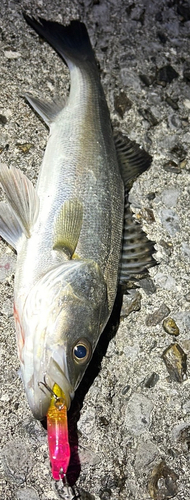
<point>21,196</point>
<point>137,250</point>
<point>67,227</point>
<point>10,228</point>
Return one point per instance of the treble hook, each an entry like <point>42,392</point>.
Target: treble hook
<point>44,383</point>
<point>63,489</point>
<point>59,402</point>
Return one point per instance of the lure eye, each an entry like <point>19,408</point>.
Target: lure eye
<point>82,351</point>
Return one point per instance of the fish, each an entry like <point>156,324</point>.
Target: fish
<point>74,233</point>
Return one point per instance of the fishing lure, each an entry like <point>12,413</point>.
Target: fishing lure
<point>57,429</point>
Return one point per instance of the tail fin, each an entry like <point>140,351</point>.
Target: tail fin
<point>71,42</point>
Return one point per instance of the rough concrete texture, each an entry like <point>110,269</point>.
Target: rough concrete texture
<point>130,420</point>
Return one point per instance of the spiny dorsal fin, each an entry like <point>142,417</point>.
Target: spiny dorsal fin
<point>137,250</point>
<point>67,227</point>
<point>21,196</point>
<point>47,110</point>
<point>132,160</point>
<point>10,228</point>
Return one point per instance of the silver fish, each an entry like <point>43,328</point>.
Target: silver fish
<point>69,232</point>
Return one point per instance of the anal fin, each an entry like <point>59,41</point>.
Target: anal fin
<point>47,110</point>
<point>67,226</point>
<point>137,250</point>
<point>132,159</point>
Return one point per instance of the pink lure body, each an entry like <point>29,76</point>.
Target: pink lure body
<point>59,449</point>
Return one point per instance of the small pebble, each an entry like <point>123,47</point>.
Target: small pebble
<point>105,494</point>
<point>186,103</point>
<point>174,121</point>
<point>145,454</point>
<point>183,9</point>
<point>181,434</point>
<point>183,320</point>
<point>179,151</point>
<point>175,360</point>
<point>170,326</point>
<point>83,495</point>
<point>25,147</point>
<point>169,197</point>
<point>163,482</point>
<point>186,250</point>
<point>170,220</point>
<point>172,166</point>
<point>162,37</point>
<point>187,297</point>
<point>165,281</point>
<point>103,421</point>
<point>125,389</point>
<point>147,80</point>
<point>147,214</point>
<point>138,414</point>
<point>186,406</point>
<point>172,103</point>
<point>87,421</point>
<point>3,120</point>
<point>166,74</point>
<point>152,380</point>
<point>149,116</point>
<point>122,103</point>
<point>183,164</point>
<point>130,79</point>
<point>137,13</point>
<point>148,285</point>
<point>27,494</point>
<point>131,302</point>
<point>10,54</point>
<point>151,196</point>
<point>168,247</point>
<point>153,345</point>
<point>157,316</point>
<point>186,71</point>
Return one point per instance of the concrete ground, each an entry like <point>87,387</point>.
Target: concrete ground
<point>130,420</point>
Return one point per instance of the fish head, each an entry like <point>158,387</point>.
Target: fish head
<point>63,317</point>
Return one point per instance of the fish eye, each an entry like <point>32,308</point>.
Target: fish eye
<point>82,351</point>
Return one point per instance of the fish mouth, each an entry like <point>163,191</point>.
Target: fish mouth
<point>39,390</point>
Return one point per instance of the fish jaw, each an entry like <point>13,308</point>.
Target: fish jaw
<point>40,375</point>
<point>39,390</point>
<point>57,330</point>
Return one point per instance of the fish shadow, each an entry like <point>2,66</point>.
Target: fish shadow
<point>88,379</point>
